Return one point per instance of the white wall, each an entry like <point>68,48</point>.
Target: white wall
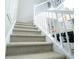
<point>7,23</point>
<point>25,11</point>
<point>69,4</point>
<point>11,11</point>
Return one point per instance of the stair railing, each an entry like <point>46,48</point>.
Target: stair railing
<point>10,27</point>
<point>46,23</point>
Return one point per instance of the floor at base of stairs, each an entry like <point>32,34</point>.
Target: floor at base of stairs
<point>46,55</point>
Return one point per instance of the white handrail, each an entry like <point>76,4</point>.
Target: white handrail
<point>40,4</point>
<point>7,37</point>
<point>41,21</point>
<point>61,11</point>
<point>54,40</point>
<point>8,16</point>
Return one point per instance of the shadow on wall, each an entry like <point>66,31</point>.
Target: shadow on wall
<point>25,10</point>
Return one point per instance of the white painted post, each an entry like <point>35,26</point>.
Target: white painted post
<point>54,28</point>
<point>61,40</point>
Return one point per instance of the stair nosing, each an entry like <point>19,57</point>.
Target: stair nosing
<point>25,22</point>
<point>26,30</point>
<point>28,35</point>
<point>29,44</point>
<point>24,26</point>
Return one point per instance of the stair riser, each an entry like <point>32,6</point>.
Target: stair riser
<point>26,39</point>
<point>27,32</point>
<point>25,24</point>
<point>25,28</point>
<point>17,50</point>
<point>58,58</point>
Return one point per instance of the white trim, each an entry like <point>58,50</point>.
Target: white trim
<point>40,4</point>
<point>10,31</point>
<point>61,11</point>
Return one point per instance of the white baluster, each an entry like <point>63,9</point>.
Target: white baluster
<point>60,37</point>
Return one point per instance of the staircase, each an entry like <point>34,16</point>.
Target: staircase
<point>27,42</point>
